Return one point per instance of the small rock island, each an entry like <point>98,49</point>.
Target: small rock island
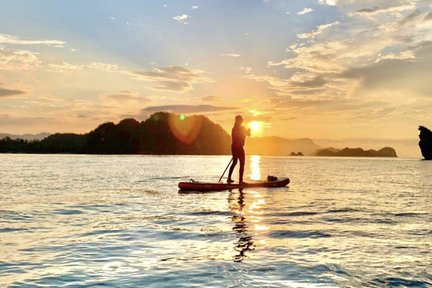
<point>357,152</point>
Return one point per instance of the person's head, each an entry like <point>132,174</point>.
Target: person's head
<point>238,120</point>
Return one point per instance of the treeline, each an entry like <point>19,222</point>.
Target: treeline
<point>161,133</point>
<point>357,152</point>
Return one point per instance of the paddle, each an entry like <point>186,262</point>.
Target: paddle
<point>225,170</point>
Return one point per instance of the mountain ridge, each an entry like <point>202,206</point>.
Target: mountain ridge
<point>162,133</point>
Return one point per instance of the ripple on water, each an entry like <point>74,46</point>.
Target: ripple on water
<point>11,268</point>
<point>400,282</point>
<point>175,233</point>
<point>294,214</point>
<point>89,221</point>
<point>410,214</point>
<point>11,230</point>
<point>298,234</point>
<point>343,210</point>
<point>209,213</point>
<point>67,212</point>
<point>8,216</point>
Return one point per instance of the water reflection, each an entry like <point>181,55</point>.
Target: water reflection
<point>245,242</point>
<point>255,167</point>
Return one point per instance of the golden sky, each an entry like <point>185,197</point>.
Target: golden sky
<point>337,71</point>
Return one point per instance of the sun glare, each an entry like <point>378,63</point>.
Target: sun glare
<point>256,128</point>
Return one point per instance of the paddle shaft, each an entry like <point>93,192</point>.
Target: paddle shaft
<point>225,170</point>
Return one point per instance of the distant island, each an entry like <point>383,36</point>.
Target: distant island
<point>357,152</point>
<point>166,133</point>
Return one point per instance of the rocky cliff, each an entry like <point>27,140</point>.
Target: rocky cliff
<point>425,142</point>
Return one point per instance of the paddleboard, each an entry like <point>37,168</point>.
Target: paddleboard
<point>220,186</point>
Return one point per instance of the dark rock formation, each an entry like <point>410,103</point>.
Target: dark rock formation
<point>425,142</point>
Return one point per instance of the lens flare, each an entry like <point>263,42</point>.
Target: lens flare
<point>185,129</point>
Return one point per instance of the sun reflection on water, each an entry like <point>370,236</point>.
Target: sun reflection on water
<point>255,167</point>
<point>248,223</point>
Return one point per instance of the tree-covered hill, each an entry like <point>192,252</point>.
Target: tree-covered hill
<point>357,152</point>
<point>161,133</point>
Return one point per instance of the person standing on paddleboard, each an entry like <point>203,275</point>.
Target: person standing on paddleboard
<point>238,135</point>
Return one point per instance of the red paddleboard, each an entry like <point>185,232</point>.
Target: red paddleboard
<point>220,186</point>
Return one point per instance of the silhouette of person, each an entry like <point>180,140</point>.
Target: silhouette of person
<point>238,135</point>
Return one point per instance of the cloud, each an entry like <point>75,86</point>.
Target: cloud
<point>12,120</point>
<point>397,73</point>
<point>183,19</point>
<point>211,98</point>
<point>246,70</point>
<point>304,86</point>
<point>4,92</point>
<point>327,2</point>
<point>195,7</point>
<point>263,118</point>
<point>64,67</point>
<point>403,55</point>
<point>230,55</point>
<point>18,60</point>
<point>396,10</point>
<point>187,109</point>
<point>172,79</point>
<point>312,81</point>
<point>379,50</point>
<point>320,29</point>
<point>366,11</point>
<point>318,58</point>
<point>410,18</point>
<point>125,97</point>
<point>13,40</point>
<point>333,108</point>
<point>304,11</point>
<point>105,67</point>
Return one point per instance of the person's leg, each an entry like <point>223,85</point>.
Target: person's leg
<point>233,164</point>
<point>242,164</point>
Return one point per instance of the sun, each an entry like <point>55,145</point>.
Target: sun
<point>256,128</point>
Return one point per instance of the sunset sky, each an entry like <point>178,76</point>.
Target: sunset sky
<point>336,71</point>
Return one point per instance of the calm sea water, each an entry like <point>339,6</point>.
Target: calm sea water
<point>119,221</point>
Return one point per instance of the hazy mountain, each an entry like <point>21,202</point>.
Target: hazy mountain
<point>279,146</point>
<point>39,136</point>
